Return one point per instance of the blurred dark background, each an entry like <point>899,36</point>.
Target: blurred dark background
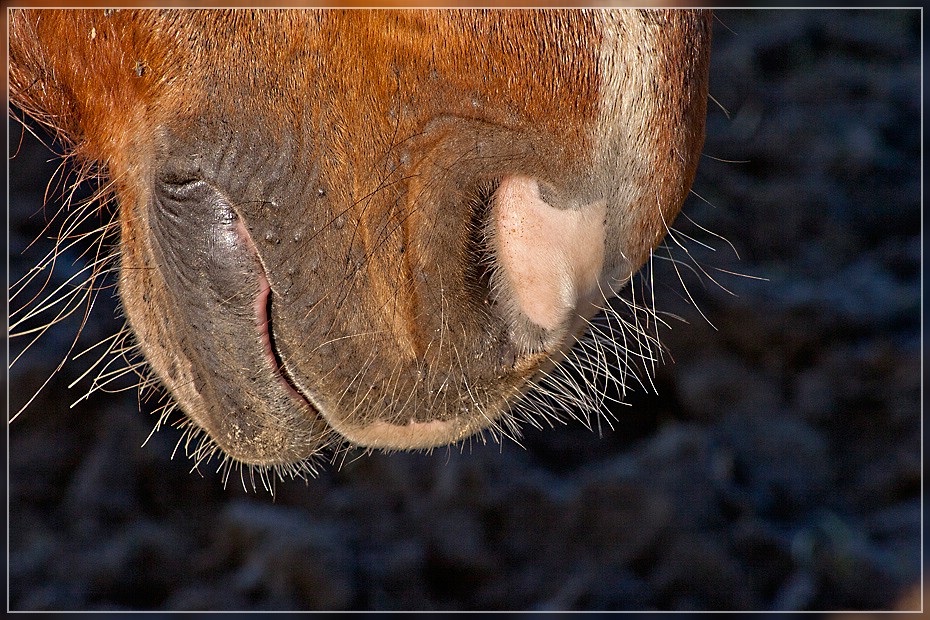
<point>778,466</point>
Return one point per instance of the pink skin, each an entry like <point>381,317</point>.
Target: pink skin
<point>262,320</point>
<point>552,257</point>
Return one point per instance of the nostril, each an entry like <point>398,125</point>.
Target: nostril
<point>263,320</point>
<point>480,266</point>
<point>550,257</point>
<point>263,314</point>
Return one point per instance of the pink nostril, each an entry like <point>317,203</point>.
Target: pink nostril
<point>551,257</point>
<point>262,307</point>
<point>263,317</point>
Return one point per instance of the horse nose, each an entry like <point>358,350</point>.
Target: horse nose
<point>550,255</point>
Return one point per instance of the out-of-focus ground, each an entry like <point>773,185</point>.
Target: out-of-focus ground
<point>778,467</point>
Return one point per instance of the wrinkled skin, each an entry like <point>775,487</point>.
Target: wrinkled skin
<point>378,227</point>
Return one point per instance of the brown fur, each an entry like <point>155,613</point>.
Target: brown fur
<point>359,149</point>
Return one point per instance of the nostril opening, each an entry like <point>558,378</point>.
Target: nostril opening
<point>275,353</point>
<point>271,347</point>
<point>264,310</point>
<point>550,251</point>
<point>480,269</point>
